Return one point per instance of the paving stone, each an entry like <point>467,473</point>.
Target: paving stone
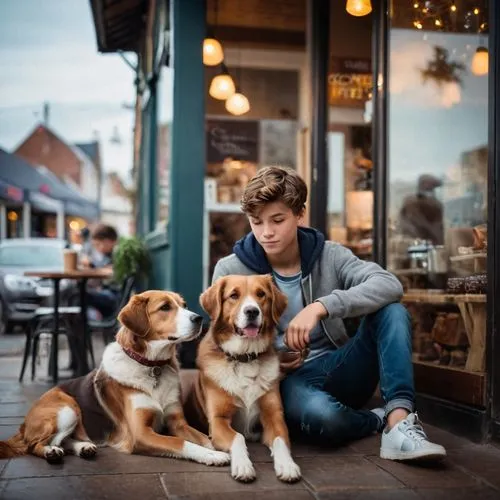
<point>367,446</point>
<point>108,461</point>
<point>252,494</point>
<point>6,431</point>
<point>260,453</point>
<point>11,421</point>
<point>3,464</point>
<point>118,487</point>
<point>14,409</point>
<point>220,482</point>
<point>381,494</point>
<point>427,475</point>
<point>344,472</point>
<point>481,493</point>
<point>481,460</point>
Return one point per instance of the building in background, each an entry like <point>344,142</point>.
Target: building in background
<point>116,205</point>
<point>68,162</point>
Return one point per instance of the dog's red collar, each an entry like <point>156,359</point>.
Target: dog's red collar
<point>145,361</point>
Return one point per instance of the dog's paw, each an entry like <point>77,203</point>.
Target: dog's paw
<point>242,470</point>
<point>203,455</point>
<point>287,471</point>
<point>86,450</point>
<point>217,458</point>
<point>53,454</point>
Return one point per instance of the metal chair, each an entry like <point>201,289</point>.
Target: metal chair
<point>42,322</point>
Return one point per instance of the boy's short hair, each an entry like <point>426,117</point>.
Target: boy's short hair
<point>104,232</point>
<point>272,184</point>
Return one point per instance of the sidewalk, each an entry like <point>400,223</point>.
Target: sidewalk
<point>353,471</point>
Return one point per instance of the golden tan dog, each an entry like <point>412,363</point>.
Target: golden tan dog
<point>238,385</point>
<point>134,393</point>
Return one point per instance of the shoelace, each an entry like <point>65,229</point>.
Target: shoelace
<point>415,430</point>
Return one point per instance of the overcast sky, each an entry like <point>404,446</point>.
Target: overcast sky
<point>48,53</point>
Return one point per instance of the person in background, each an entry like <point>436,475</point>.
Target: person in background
<point>102,295</point>
<point>421,215</point>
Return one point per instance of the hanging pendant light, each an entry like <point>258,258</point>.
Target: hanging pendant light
<point>212,48</point>
<point>480,62</point>
<point>222,85</point>
<point>358,8</point>
<point>212,52</point>
<point>238,104</point>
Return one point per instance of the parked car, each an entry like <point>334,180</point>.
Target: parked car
<point>21,295</point>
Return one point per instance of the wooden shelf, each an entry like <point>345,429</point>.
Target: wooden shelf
<point>468,256</point>
<point>473,310</point>
<point>425,297</point>
<point>409,272</point>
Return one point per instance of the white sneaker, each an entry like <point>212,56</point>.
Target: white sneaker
<point>408,441</point>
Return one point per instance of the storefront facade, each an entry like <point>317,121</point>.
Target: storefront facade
<point>428,165</point>
<point>385,115</point>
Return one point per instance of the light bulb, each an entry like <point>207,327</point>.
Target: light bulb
<point>238,104</point>
<point>222,86</point>
<point>212,52</point>
<point>480,62</point>
<point>358,7</point>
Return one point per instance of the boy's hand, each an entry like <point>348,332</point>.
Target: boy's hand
<point>299,329</point>
<point>290,360</point>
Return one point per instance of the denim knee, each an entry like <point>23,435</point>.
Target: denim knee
<point>393,312</point>
<point>325,419</point>
<point>393,317</point>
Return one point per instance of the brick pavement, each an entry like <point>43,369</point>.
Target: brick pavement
<point>353,471</point>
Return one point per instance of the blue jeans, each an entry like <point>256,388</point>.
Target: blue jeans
<point>323,398</point>
<point>105,301</point>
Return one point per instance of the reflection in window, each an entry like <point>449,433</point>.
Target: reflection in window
<point>437,206</point>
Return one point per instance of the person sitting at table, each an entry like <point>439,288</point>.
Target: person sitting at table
<point>102,295</point>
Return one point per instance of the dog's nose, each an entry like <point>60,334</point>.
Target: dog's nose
<point>196,319</point>
<point>251,312</point>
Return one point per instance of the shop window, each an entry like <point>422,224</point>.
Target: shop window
<point>237,146</point>
<point>437,172</point>
<point>350,190</point>
<point>164,144</point>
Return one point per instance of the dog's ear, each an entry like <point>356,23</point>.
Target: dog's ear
<point>279,301</point>
<point>211,299</point>
<point>135,317</point>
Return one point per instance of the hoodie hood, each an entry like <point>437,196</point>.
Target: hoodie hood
<point>251,253</point>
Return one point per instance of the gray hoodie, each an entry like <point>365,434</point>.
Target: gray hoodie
<point>345,285</point>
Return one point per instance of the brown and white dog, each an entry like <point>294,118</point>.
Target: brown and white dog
<point>123,404</point>
<point>238,384</point>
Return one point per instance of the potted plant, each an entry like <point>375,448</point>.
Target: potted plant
<point>131,257</point>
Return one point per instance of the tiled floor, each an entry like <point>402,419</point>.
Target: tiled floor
<point>353,471</point>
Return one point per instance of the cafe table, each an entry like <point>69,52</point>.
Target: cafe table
<point>82,276</point>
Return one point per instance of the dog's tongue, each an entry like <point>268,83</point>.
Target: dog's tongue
<point>251,331</point>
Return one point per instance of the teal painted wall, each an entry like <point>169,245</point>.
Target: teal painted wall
<point>185,233</point>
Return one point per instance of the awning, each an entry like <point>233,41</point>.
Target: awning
<point>119,25</point>
<point>19,173</point>
<point>11,193</point>
<point>16,172</point>
<point>88,211</point>
<point>44,203</point>
<point>75,203</point>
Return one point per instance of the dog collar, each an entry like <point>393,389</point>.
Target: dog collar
<point>242,358</point>
<point>145,361</point>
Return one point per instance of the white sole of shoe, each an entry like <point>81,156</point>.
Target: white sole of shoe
<point>413,455</point>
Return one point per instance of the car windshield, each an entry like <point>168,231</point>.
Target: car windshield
<point>31,256</point>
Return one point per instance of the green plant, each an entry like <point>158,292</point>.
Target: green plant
<point>131,256</point>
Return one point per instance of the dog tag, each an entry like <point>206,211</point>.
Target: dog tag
<point>155,373</point>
